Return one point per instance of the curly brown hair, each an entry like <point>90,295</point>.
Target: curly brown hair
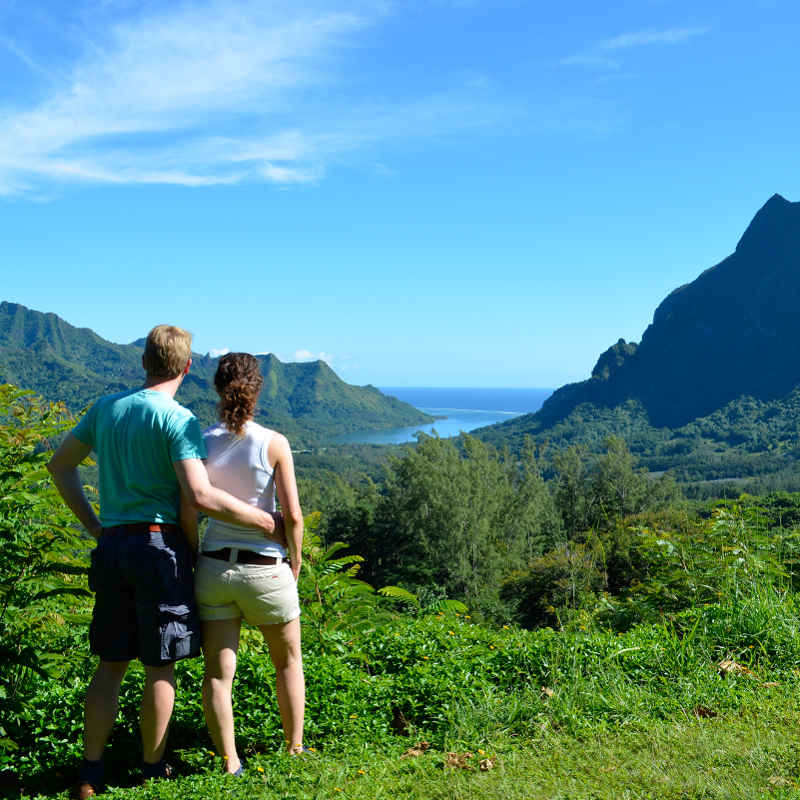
<point>238,381</point>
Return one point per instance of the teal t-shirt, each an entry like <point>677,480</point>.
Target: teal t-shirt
<point>137,435</point>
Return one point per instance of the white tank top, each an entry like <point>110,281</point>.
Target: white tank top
<point>240,465</point>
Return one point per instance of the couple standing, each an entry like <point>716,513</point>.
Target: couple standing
<point>156,468</point>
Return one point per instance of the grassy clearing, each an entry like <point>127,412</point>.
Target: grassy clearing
<point>648,713</point>
<point>752,752</point>
<point>579,714</point>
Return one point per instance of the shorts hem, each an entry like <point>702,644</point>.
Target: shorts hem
<point>279,621</point>
<point>115,659</point>
<point>215,618</point>
<point>163,662</point>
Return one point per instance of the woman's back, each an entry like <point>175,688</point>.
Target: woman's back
<point>240,465</point>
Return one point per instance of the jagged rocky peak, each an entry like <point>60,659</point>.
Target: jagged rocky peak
<point>731,332</point>
<point>776,223</point>
<point>613,359</point>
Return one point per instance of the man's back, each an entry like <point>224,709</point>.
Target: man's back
<point>137,436</point>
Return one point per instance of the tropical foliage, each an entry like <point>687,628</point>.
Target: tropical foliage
<point>42,559</point>
<point>642,617</point>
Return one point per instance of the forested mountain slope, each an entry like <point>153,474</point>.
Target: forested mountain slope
<point>307,401</point>
<point>712,381</point>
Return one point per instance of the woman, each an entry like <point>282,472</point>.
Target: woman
<point>240,574</point>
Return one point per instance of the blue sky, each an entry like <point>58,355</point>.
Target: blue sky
<point>432,192</point>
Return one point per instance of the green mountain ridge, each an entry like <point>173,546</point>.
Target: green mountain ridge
<point>711,391</point>
<point>306,401</point>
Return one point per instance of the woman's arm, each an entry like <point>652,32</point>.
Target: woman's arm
<point>280,456</point>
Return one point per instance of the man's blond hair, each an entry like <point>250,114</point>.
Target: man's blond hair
<point>167,350</point>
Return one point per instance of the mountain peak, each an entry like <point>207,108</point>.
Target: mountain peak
<point>777,220</point>
<point>74,365</point>
<point>730,332</point>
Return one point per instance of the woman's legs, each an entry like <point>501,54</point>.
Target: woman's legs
<point>220,645</point>
<point>290,686</point>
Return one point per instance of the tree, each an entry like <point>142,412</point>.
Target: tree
<point>594,492</point>
<point>460,516</point>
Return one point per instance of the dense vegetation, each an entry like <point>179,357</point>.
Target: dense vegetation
<point>632,644</point>
<point>307,401</point>
<point>751,443</point>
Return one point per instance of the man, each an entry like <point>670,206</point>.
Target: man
<point>149,449</point>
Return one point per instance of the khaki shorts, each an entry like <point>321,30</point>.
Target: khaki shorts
<point>263,595</point>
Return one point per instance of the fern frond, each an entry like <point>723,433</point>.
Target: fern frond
<point>398,593</point>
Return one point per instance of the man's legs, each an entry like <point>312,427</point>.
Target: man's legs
<point>220,645</point>
<point>158,699</point>
<point>290,686</point>
<point>100,711</point>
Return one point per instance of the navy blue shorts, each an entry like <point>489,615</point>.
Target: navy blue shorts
<point>144,596</point>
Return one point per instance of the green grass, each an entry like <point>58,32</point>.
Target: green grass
<point>643,714</point>
<point>752,752</point>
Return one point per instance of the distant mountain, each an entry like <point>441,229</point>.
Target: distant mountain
<point>728,341</point>
<point>307,401</point>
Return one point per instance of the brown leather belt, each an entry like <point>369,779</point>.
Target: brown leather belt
<point>244,557</point>
<point>142,527</point>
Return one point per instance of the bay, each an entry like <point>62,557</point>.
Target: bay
<point>460,409</point>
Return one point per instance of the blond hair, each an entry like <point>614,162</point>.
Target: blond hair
<point>167,350</point>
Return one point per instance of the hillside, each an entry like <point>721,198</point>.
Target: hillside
<point>711,389</point>
<point>307,401</point>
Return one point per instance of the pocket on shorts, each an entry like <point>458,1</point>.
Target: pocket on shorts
<point>180,632</point>
<point>209,580</point>
<point>269,578</point>
<point>102,572</point>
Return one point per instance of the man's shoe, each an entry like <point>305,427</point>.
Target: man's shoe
<point>82,790</point>
<point>159,771</point>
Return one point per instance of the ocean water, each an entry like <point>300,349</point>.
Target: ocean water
<point>460,409</point>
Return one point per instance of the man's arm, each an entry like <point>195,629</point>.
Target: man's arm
<point>217,503</point>
<point>63,467</point>
<point>281,456</point>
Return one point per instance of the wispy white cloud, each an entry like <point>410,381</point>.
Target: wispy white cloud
<point>23,56</point>
<point>141,105</point>
<point>307,355</point>
<point>599,56</point>
<point>208,93</point>
<point>642,38</point>
<point>216,352</point>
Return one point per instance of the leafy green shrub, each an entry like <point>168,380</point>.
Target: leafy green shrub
<point>40,563</point>
<point>555,584</point>
<point>656,564</point>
